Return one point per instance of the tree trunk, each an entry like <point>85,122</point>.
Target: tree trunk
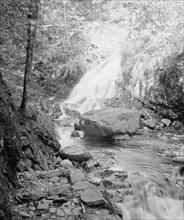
<point>31,31</point>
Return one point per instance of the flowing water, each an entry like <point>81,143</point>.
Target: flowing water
<point>95,86</point>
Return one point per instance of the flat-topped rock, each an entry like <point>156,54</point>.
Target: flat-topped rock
<point>82,185</point>
<point>43,205</point>
<point>60,213</point>
<point>61,189</point>
<point>92,197</point>
<point>54,179</point>
<point>75,153</point>
<point>77,175</point>
<point>110,121</point>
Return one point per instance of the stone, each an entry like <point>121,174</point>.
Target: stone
<point>60,213</point>
<point>150,123</point>
<point>43,206</point>
<point>114,179</point>
<point>54,179</point>
<point>92,197</point>
<point>68,208</point>
<point>75,153</point>
<point>107,122</point>
<point>75,134</point>
<point>52,210</point>
<point>63,180</point>
<point>95,179</point>
<point>120,137</point>
<point>90,164</point>
<point>77,175</point>
<point>50,174</point>
<point>81,185</point>
<point>166,121</point>
<point>57,161</point>
<point>53,197</point>
<point>66,163</point>
<point>77,127</point>
<point>31,213</point>
<point>24,214</point>
<point>115,195</point>
<point>61,189</point>
<point>30,197</point>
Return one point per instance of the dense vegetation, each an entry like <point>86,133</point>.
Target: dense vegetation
<point>74,36</point>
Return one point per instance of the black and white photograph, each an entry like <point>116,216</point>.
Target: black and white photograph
<point>91,109</point>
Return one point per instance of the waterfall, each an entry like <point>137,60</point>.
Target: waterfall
<point>96,85</point>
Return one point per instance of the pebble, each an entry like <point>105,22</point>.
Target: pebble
<point>54,179</point>
<point>60,213</point>
<point>66,164</point>
<point>52,210</point>
<point>166,121</point>
<point>43,206</point>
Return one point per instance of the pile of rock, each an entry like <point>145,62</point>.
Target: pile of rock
<point>72,190</point>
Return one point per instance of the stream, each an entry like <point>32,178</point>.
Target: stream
<point>135,158</point>
<point>131,158</point>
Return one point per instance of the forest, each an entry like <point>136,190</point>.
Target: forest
<point>85,86</point>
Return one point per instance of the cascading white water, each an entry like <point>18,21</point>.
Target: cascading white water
<point>97,84</point>
<point>148,205</point>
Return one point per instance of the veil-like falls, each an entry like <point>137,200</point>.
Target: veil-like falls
<point>95,86</point>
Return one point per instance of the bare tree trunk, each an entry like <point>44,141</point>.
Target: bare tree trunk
<point>31,31</point>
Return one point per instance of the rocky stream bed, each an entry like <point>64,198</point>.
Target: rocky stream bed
<point>83,184</point>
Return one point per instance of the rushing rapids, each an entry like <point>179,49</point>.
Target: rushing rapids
<point>155,199</point>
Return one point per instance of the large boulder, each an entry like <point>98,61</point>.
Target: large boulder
<point>110,121</point>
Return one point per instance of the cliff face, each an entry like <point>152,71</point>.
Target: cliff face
<point>9,149</point>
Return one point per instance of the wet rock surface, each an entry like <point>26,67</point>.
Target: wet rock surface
<point>110,121</point>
